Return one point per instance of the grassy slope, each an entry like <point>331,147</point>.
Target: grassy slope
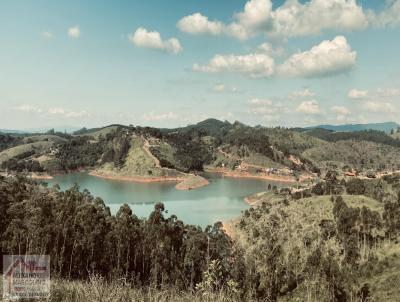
<point>21,149</point>
<point>103,131</point>
<point>292,140</point>
<point>385,283</point>
<point>44,137</point>
<point>366,155</point>
<point>138,163</point>
<point>303,217</point>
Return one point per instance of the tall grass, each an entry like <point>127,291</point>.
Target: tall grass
<point>99,290</point>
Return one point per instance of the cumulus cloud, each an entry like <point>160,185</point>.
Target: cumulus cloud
<point>327,58</point>
<point>199,24</point>
<point>357,94</point>
<point>293,18</point>
<point>296,19</point>
<point>152,39</point>
<point>74,32</point>
<point>254,65</point>
<point>309,107</point>
<point>255,16</point>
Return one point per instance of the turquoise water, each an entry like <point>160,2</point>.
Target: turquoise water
<point>221,200</point>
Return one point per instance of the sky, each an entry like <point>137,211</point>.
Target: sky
<point>173,63</point>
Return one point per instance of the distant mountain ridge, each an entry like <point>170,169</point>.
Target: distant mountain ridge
<point>386,127</point>
<point>67,129</point>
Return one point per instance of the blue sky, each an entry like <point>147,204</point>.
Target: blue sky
<point>171,63</point>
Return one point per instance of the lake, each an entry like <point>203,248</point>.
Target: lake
<point>221,200</point>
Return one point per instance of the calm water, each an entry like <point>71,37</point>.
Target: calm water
<point>221,200</point>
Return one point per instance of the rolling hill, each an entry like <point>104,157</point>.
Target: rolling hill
<point>386,127</point>
<point>210,144</point>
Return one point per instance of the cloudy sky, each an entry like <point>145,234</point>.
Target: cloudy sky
<point>169,63</point>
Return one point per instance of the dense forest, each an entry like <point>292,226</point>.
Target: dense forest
<point>365,135</point>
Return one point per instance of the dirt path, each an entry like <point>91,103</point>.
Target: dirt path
<point>146,148</point>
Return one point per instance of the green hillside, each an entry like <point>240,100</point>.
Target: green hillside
<point>361,155</point>
<point>385,127</point>
<point>211,143</point>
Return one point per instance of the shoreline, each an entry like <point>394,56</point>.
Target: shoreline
<point>40,176</point>
<point>192,182</point>
<point>277,178</point>
<point>141,179</point>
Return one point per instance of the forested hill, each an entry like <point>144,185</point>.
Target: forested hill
<point>212,144</point>
<point>385,127</point>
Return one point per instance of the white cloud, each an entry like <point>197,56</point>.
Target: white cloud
<point>389,16</point>
<point>379,107</point>
<point>357,94</point>
<point>265,108</point>
<point>74,32</point>
<point>340,110</point>
<point>152,39</point>
<point>256,15</point>
<point>46,34</point>
<point>268,49</point>
<point>327,58</point>
<point>254,18</point>
<point>309,107</point>
<point>253,65</point>
<point>199,24</point>
<point>290,19</point>
<point>257,101</point>
<point>58,112</point>
<point>388,92</point>
<point>378,93</point>
<point>300,94</point>
<point>28,109</point>
<point>296,19</point>
<point>160,116</point>
<point>62,112</point>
